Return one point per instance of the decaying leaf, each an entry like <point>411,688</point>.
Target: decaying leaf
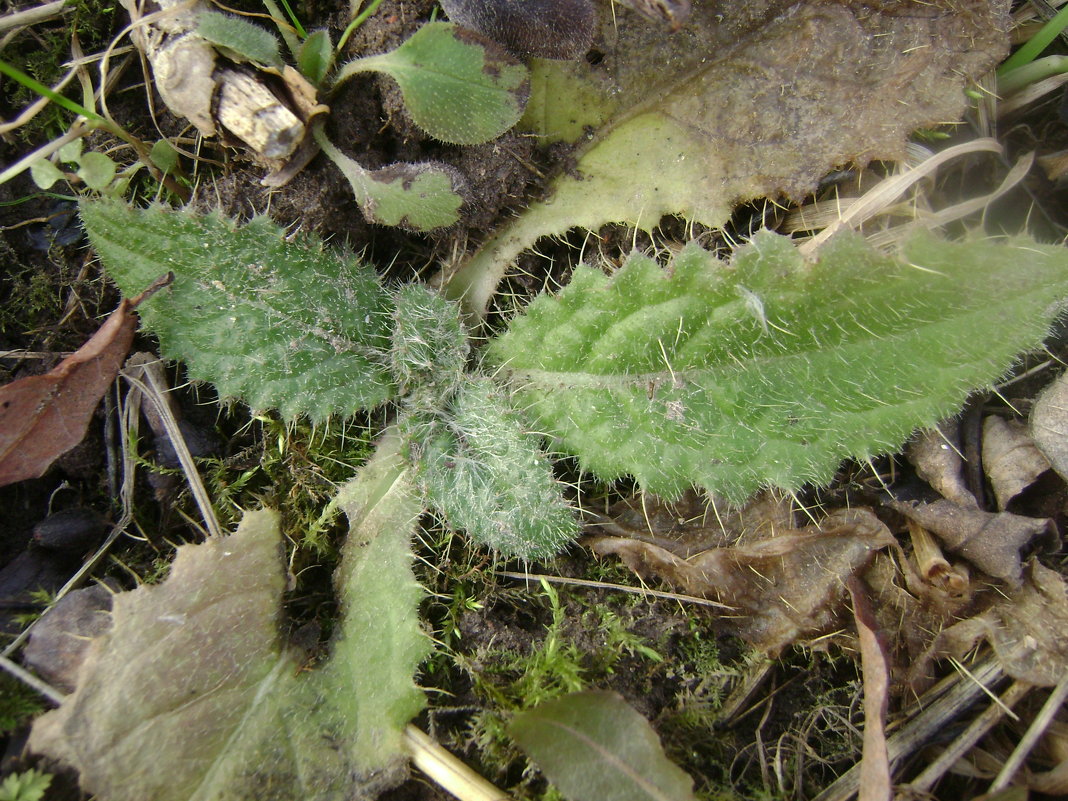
<point>1011,460</point>
<point>1049,424</point>
<point>875,783</point>
<point>990,541</point>
<point>748,100</point>
<point>936,455</point>
<point>192,670</point>
<point>695,523</point>
<point>44,416</point>
<point>784,587</point>
<point>595,747</point>
<point>193,694</point>
<point>57,644</point>
<point>1026,629</point>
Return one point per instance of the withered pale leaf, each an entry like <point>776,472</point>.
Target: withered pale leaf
<point>1010,459</point>
<point>990,541</point>
<point>44,416</point>
<point>785,587</point>
<point>749,99</point>
<point>1026,629</point>
<point>1049,424</point>
<point>936,455</point>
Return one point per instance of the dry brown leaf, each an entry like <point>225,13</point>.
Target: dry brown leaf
<point>785,587</point>
<point>1051,782</point>
<point>1055,165</point>
<point>936,455</point>
<point>1026,629</point>
<point>990,541</point>
<point>57,645</point>
<point>44,416</point>
<point>1049,424</point>
<point>695,523</point>
<point>1010,459</point>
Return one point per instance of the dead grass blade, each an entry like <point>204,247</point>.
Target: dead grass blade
<point>447,771</point>
<point>874,763</point>
<point>888,191</point>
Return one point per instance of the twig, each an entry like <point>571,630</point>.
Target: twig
<point>968,738</point>
<point>671,596</point>
<point>1030,738</point>
<point>27,678</point>
<point>447,771</point>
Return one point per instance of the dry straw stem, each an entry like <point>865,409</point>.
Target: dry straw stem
<point>447,771</point>
<point>605,585</point>
<point>150,381</point>
<point>32,16</point>
<point>956,696</point>
<point>1031,737</point>
<point>976,730</point>
<point>1017,101</point>
<point>888,191</point>
<point>27,678</point>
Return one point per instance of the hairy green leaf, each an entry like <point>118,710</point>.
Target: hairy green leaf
<point>430,344</point>
<point>381,646</point>
<point>419,197</point>
<point>485,474</point>
<point>770,371</point>
<point>595,747</point>
<point>458,87</point>
<point>748,100</point>
<point>239,38</point>
<point>316,56</point>
<point>275,323</point>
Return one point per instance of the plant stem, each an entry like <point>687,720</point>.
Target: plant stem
<point>1029,51</point>
<point>21,77</point>
<point>1014,80</point>
<point>360,19</point>
<point>292,41</point>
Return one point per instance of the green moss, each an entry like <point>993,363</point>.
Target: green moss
<point>18,704</point>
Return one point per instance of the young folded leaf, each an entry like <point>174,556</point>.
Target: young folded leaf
<point>278,324</point>
<point>770,371</point>
<point>486,475</point>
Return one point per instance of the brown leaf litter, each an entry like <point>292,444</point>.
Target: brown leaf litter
<point>44,416</point>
